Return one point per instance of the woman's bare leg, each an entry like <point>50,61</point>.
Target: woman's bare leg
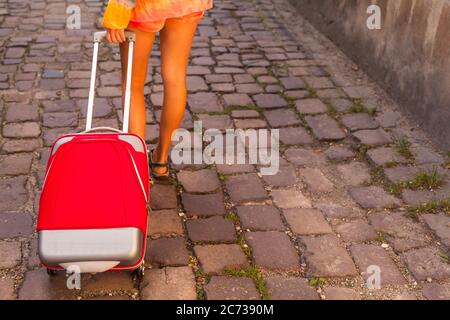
<point>175,43</point>
<point>142,50</point>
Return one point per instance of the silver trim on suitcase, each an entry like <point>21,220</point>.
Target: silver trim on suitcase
<point>115,244</point>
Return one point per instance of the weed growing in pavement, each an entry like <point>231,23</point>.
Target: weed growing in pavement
<point>253,273</point>
<point>403,147</point>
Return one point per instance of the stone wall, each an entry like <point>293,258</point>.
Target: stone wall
<point>409,56</point>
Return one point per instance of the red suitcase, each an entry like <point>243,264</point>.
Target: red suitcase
<point>93,207</point>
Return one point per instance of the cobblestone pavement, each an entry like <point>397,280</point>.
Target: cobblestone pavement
<point>349,194</point>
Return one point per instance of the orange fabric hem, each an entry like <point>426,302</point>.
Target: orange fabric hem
<point>155,26</point>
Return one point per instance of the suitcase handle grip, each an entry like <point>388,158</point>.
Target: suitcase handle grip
<point>98,37</point>
<point>101,129</point>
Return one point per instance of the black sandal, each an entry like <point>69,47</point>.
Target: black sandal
<point>158,176</point>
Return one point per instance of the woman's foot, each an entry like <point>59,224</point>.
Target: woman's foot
<point>158,170</point>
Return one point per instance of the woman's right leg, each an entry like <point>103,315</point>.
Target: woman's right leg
<point>142,49</point>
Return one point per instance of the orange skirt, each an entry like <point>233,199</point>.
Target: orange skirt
<point>151,15</point>
<point>157,25</point>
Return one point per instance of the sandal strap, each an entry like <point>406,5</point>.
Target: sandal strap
<point>160,164</point>
<point>157,164</point>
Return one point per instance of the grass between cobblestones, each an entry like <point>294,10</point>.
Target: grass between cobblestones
<point>317,282</point>
<point>359,107</point>
<point>430,180</point>
<point>403,147</point>
<point>253,273</point>
<point>431,207</point>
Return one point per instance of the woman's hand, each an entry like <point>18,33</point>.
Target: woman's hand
<point>115,35</point>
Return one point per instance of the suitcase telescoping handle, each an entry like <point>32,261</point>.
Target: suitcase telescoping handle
<point>98,37</point>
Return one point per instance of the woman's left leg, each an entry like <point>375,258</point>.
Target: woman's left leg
<point>175,44</point>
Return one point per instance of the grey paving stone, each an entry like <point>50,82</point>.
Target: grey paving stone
<point>203,204</point>
<point>231,288</point>
<point>373,138</point>
<point>281,117</point>
<point>334,211</point>
<point>418,197</point>
<point>290,198</point>
<point>310,106</point>
<point>214,229</point>
<point>250,123</point>
<point>273,250</point>
<point>373,197</point>
<point>424,155</point>
<point>306,221</point>
<point>325,128</point>
<point>204,102</point>
<point>440,224</point>
<point>295,135</point>
<point>38,286</point>
<point>249,88</point>
<point>304,157</point>
<point>358,92</point>
<point>200,181</point>
<point>427,263</point>
<point>290,288</point>
<point>60,119</point>
<point>220,257</point>
<point>244,114</point>
<point>15,112</point>
<point>21,145</point>
<point>356,231</point>
<point>167,252</point>
<point>196,83</point>
<point>245,187</point>
<point>13,195</point>
<point>220,122</point>
<point>341,105</point>
<point>339,293</point>
<point>164,223</point>
<point>106,281</point>
<point>235,168</point>
<point>401,232</point>
<point>11,253</point>
<point>171,283</point>
<point>290,83</point>
<point>260,218</point>
<point>21,130</point>
<point>355,173</point>
<point>237,99</point>
<point>283,178</point>
<point>367,255</point>
<point>339,153</point>
<point>163,197</point>
<point>269,101</point>
<point>381,156</point>
<point>15,225</point>
<point>359,121</point>
<point>326,257</point>
<point>7,289</point>
<point>404,173</point>
<point>435,291</point>
<point>316,180</point>
<point>15,164</point>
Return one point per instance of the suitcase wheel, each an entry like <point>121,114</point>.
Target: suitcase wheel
<point>140,271</point>
<point>51,272</point>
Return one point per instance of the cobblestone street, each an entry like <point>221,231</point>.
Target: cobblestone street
<point>359,184</point>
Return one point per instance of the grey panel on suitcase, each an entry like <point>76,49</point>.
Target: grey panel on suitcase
<point>115,244</point>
